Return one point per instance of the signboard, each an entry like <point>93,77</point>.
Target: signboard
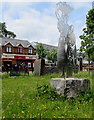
<point>28,57</point>
<point>19,57</point>
<point>31,58</point>
<point>7,56</point>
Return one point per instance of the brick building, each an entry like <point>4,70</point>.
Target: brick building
<point>16,52</point>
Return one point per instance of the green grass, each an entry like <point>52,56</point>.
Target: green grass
<point>21,98</point>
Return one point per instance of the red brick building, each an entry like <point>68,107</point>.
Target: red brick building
<point>16,52</point>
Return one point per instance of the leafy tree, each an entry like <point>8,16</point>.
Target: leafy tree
<point>87,43</point>
<point>41,51</point>
<point>52,55</point>
<point>4,32</point>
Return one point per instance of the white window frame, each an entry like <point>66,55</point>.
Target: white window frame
<point>29,50</point>
<point>19,50</point>
<point>8,49</point>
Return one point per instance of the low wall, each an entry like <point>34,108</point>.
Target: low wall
<point>40,68</point>
<point>51,69</point>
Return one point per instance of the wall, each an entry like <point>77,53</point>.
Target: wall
<point>40,68</point>
<point>51,69</point>
<point>15,50</point>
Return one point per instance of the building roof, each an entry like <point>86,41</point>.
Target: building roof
<point>15,42</point>
<point>46,46</point>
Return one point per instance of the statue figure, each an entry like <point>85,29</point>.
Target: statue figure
<point>66,55</point>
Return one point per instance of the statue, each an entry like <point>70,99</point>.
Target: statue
<point>66,55</point>
<point>66,58</point>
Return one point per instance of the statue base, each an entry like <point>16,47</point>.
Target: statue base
<point>70,87</point>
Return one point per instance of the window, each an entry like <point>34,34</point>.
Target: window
<point>29,50</point>
<point>19,50</point>
<point>29,65</point>
<point>8,49</point>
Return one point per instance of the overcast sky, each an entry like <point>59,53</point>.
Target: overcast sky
<point>36,21</point>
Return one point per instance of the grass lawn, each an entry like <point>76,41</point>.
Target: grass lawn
<point>20,99</point>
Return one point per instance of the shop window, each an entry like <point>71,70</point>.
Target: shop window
<point>19,50</point>
<point>29,65</point>
<point>8,49</point>
<point>29,50</point>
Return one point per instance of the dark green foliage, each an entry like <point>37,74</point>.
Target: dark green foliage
<point>87,43</point>
<point>52,55</point>
<point>41,51</point>
<point>47,92</point>
<point>6,75</point>
<point>20,73</point>
<point>86,96</point>
<point>15,74</point>
<point>4,32</point>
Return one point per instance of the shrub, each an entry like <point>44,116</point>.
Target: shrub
<point>15,74</point>
<point>5,75</point>
<point>86,96</point>
<point>47,92</point>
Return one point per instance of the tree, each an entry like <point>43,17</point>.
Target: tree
<point>52,55</point>
<point>4,32</point>
<point>41,51</point>
<point>87,43</point>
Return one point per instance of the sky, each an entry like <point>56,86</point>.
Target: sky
<point>37,22</point>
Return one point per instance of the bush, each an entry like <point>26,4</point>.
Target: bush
<point>5,75</point>
<point>47,92</point>
<point>50,93</point>
<point>86,96</point>
<point>15,74</point>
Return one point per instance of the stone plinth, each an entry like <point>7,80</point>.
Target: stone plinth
<point>70,87</point>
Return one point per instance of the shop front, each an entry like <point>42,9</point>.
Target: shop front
<point>25,61</point>
<point>9,63</point>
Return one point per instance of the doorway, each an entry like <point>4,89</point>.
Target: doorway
<point>7,65</point>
